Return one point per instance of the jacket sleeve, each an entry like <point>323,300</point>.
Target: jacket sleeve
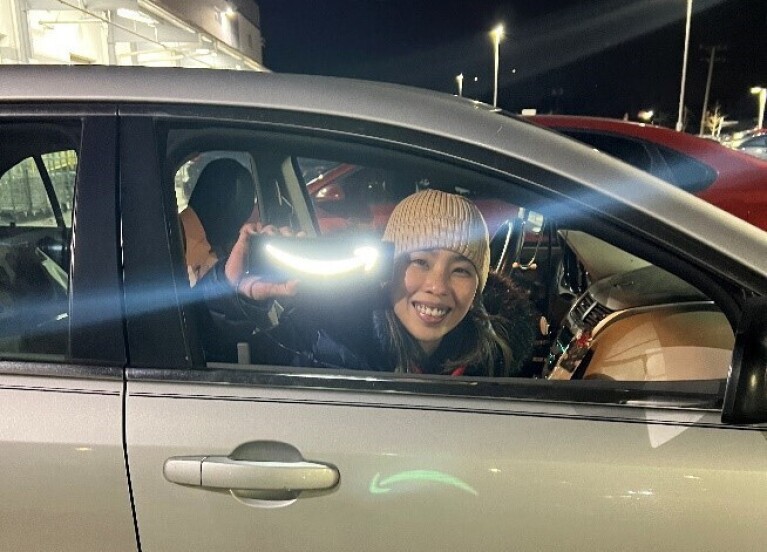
<point>225,317</point>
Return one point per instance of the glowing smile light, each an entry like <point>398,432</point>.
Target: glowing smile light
<point>364,258</point>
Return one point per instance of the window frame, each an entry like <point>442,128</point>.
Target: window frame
<point>624,229</point>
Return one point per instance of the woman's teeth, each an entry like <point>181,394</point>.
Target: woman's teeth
<point>431,311</point>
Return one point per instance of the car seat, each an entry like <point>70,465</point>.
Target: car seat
<point>223,200</point>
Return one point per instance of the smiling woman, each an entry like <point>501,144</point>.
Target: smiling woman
<point>429,319</point>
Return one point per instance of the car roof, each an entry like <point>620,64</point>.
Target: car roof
<point>408,108</point>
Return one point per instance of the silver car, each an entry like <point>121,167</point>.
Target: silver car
<point>633,423</point>
<point>756,146</point>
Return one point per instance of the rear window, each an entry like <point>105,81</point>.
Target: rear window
<point>676,168</point>
<point>689,174</point>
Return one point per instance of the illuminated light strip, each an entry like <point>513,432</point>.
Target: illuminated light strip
<point>364,257</point>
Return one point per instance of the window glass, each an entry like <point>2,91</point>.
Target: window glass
<point>38,165</point>
<point>687,173</point>
<point>758,142</point>
<point>627,150</point>
<point>24,199</point>
<point>559,302</point>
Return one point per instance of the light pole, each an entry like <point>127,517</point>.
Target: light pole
<point>679,124</point>
<point>762,93</point>
<point>497,35</point>
<point>711,59</point>
<point>459,80</point>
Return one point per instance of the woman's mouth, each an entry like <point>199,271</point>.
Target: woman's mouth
<point>430,314</point>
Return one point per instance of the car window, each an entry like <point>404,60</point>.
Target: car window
<point>629,151</point>
<point>758,142</point>
<point>689,174</point>
<point>24,200</point>
<point>677,168</point>
<point>350,198</point>
<point>566,303</point>
<point>37,184</point>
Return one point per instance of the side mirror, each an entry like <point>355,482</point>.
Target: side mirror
<point>745,399</point>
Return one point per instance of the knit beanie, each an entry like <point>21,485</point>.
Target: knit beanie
<point>431,219</point>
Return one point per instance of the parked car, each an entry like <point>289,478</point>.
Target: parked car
<point>753,143</point>
<point>728,179</point>
<point>118,427</point>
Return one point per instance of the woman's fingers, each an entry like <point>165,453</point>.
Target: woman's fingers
<point>237,264</point>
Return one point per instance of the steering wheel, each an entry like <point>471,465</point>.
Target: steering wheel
<point>506,245</point>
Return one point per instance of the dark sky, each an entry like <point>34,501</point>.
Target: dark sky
<point>597,57</point>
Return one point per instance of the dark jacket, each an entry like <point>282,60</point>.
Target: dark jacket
<point>348,331</point>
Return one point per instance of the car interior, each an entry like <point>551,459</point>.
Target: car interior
<point>599,311</point>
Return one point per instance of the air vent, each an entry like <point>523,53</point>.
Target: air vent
<point>596,315</point>
<point>588,311</point>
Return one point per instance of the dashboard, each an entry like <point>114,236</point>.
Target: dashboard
<point>637,324</point>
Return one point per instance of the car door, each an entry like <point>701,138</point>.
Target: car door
<point>64,482</point>
<point>244,455</point>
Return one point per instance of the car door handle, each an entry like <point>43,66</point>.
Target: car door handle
<point>222,472</point>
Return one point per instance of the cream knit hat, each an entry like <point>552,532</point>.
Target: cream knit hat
<point>431,219</point>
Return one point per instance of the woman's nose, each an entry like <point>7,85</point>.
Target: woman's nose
<point>437,281</point>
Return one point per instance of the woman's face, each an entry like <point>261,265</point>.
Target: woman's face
<point>432,292</point>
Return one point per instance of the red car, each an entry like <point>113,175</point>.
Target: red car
<point>729,179</point>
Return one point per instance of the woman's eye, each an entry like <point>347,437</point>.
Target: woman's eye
<point>419,262</point>
<point>463,271</point>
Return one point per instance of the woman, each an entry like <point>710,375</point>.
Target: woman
<point>429,319</point>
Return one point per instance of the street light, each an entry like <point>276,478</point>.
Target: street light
<point>762,93</point>
<point>497,35</point>
<point>459,80</point>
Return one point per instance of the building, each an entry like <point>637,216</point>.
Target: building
<point>179,33</point>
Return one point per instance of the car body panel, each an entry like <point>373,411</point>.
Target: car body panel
<point>739,185</point>
<point>64,485</point>
<point>557,474</point>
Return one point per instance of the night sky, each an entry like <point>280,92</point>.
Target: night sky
<point>596,57</point>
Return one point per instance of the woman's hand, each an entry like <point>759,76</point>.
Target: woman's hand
<point>255,287</point>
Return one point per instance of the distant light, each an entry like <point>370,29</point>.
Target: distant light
<point>757,89</point>
<point>135,15</point>
<point>497,33</point>
<point>646,115</point>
